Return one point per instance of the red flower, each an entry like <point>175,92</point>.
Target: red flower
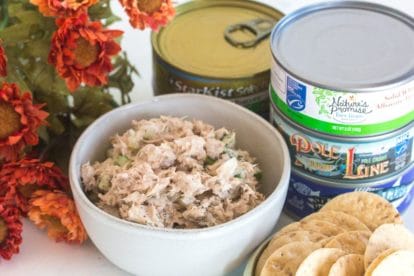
<point>3,62</point>
<point>20,119</point>
<point>56,212</point>
<point>148,13</point>
<point>10,230</point>
<point>81,51</point>
<point>62,8</point>
<point>19,180</point>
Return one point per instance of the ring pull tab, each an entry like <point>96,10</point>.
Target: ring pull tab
<point>260,28</point>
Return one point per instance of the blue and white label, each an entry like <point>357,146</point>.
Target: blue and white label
<point>296,94</point>
<point>306,196</point>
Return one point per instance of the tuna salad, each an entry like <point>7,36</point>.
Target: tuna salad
<point>174,173</point>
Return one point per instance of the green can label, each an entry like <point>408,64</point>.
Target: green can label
<point>342,113</point>
<point>251,93</point>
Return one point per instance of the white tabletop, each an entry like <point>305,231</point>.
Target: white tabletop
<point>41,256</point>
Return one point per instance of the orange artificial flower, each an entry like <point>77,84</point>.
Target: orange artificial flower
<point>3,62</point>
<point>19,121</point>
<point>10,230</point>
<point>148,13</point>
<point>81,51</point>
<point>62,7</point>
<point>56,212</point>
<point>19,180</point>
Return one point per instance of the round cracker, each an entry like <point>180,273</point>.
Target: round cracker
<point>325,241</point>
<point>378,260</point>
<point>353,242</point>
<point>319,262</point>
<point>343,220</point>
<point>323,227</point>
<point>295,236</point>
<point>351,264</point>
<point>286,260</point>
<point>385,237</point>
<point>400,262</point>
<point>369,208</point>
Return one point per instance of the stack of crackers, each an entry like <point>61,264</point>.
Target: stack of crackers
<point>354,234</point>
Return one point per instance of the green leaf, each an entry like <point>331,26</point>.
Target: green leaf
<point>28,16</point>
<point>121,77</point>
<point>38,49</point>
<point>102,11</point>
<point>47,87</point>
<point>16,33</point>
<point>43,134</point>
<point>89,104</point>
<point>55,125</point>
<point>26,36</point>
<point>14,6</point>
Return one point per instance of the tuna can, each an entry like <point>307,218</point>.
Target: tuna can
<point>349,159</point>
<point>218,48</point>
<point>345,68</point>
<point>307,194</point>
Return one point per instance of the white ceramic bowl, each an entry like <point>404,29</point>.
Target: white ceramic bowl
<point>144,250</point>
<point>250,268</point>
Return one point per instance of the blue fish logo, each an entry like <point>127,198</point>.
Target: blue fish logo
<point>296,94</point>
<point>401,148</point>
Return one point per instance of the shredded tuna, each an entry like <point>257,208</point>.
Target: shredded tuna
<point>174,173</point>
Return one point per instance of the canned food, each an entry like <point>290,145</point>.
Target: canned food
<point>346,158</point>
<point>307,194</point>
<point>218,48</point>
<point>345,68</point>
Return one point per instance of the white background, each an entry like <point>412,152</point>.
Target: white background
<point>41,256</point>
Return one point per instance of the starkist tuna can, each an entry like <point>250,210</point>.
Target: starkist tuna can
<point>345,68</point>
<point>345,158</point>
<point>218,48</point>
<point>307,194</point>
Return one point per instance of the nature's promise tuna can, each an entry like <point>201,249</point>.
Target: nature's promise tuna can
<point>346,158</point>
<point>218,48</point>
<point>307,194</point>
<point>345,68</point>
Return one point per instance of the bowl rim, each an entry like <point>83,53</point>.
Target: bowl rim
<point>81,198</point>
<point>249,269</point>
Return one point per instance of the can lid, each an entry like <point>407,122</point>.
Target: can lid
<point>203,38</point>
<point>346,46</point>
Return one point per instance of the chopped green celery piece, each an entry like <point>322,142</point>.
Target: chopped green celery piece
<point>229,140</point>
<point>104,184</point>
<point>258,176</point>
<point>231,153</point>
<point>209,161</point>
<point>133,142</point>
<point>148,135</point>
<point>121,160</point>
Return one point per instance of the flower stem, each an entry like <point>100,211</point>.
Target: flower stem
<point>4,14</point>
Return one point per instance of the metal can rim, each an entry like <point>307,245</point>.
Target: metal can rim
<point>405,79</point>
